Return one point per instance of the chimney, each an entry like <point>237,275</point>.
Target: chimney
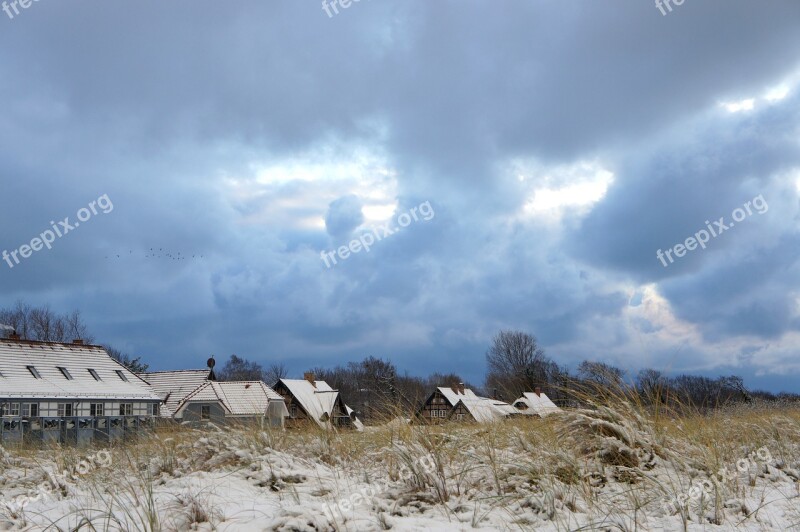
<point>494,394</point>
<point>461,388</point>
<point>78,341</point>
<point>310,378</point>
<point>537,391</point>
<point>13,336</point>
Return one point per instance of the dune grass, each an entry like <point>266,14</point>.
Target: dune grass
<point>617,464</point>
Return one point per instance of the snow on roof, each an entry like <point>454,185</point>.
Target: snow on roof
<point>453,397</point>
<point>17,381</point>
<point>482,409</point>
<point>502,406</point>
<point>485,410</point>
<point>174,386</point>
<point>317,399</point>
<point>536,404</point>
<point>356,422</point>
<point>239,398</point>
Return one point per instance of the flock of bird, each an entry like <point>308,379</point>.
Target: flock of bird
<point>159,253</point>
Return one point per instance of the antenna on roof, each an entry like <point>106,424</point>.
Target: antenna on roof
<point>211,363</point>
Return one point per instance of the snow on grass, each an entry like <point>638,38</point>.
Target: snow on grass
<point>614,466</point>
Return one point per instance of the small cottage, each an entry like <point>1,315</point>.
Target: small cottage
<point>310,401</point>
<point>457,403</point>
<point>195,396</point>
<point>535,404</point>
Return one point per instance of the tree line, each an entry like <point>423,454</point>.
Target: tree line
<point>374,388</point>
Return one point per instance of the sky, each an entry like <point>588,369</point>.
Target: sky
<point>471,166</point>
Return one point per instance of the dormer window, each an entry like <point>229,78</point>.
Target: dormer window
<point>94,374</point>
<point>65,373</point>
<point>121,375</point>
<point>34,372</point>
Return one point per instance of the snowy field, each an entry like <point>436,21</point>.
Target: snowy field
<point>601,469</point>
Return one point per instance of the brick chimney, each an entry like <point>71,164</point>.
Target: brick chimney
<point>78,341</point>
<point>13,336</point>
<point>537,391</point>
<point>461,388</point>
<point>310,378</point>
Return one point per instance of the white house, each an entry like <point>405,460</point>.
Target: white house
<point>175,386</point>
<point>69,393</point>
<point>535,404</point>
<point>196,396</point>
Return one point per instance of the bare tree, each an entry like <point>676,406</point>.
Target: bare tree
<point>517,364</point>
<point>274,373</point>
<point>602,374</point>
<point>240,369</point>
<point>42,324</point>
<point>75,327</point>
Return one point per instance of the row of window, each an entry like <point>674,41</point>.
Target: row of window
<point>439,413</point>
<point>67,410</point>
<point>67,375</point>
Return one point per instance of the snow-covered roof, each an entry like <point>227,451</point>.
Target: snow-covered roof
<point>74,382</point>
<point>239,398</point>
<point>453,397</point>
<point>536,404</point>
<point>356,422</point>
<point>502,406</point>
<point>317,399</point>
<point>174,386</point>
<point>483,409</point>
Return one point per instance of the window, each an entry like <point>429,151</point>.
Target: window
<point>34,372</point>
<point>153,409</point>
<point>65,373</point>
<point>434,413</point>
<point>126,409</point>
<point>94,374</point>
<point>1,375</point>
<point>293,411</point>
<point>121,375</point>
<point>460,417</point>
<point>14,410</point>
<point>64,409</point>
<point>30,409</point>
<point>96,409</point>
<point>205,411</point>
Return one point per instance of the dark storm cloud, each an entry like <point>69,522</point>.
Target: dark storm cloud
<point>166,106</point>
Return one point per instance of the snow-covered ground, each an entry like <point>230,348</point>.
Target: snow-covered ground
<point>589,470</point>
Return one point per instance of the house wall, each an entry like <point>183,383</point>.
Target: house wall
<point>79,428</point>
<point>437,409</point>
<point>461,414</point>
<point>297,416</point>
<point>193,412</point>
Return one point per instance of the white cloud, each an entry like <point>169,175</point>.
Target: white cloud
<point>777,93</point>
<point>741,105</point>
<point>553,192</point>
<point>295,192</point>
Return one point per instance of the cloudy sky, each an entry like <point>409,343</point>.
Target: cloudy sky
<point>559,146</point>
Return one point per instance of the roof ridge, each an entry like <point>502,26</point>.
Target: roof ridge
<point>172,371</point>
<point>42,342</point>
